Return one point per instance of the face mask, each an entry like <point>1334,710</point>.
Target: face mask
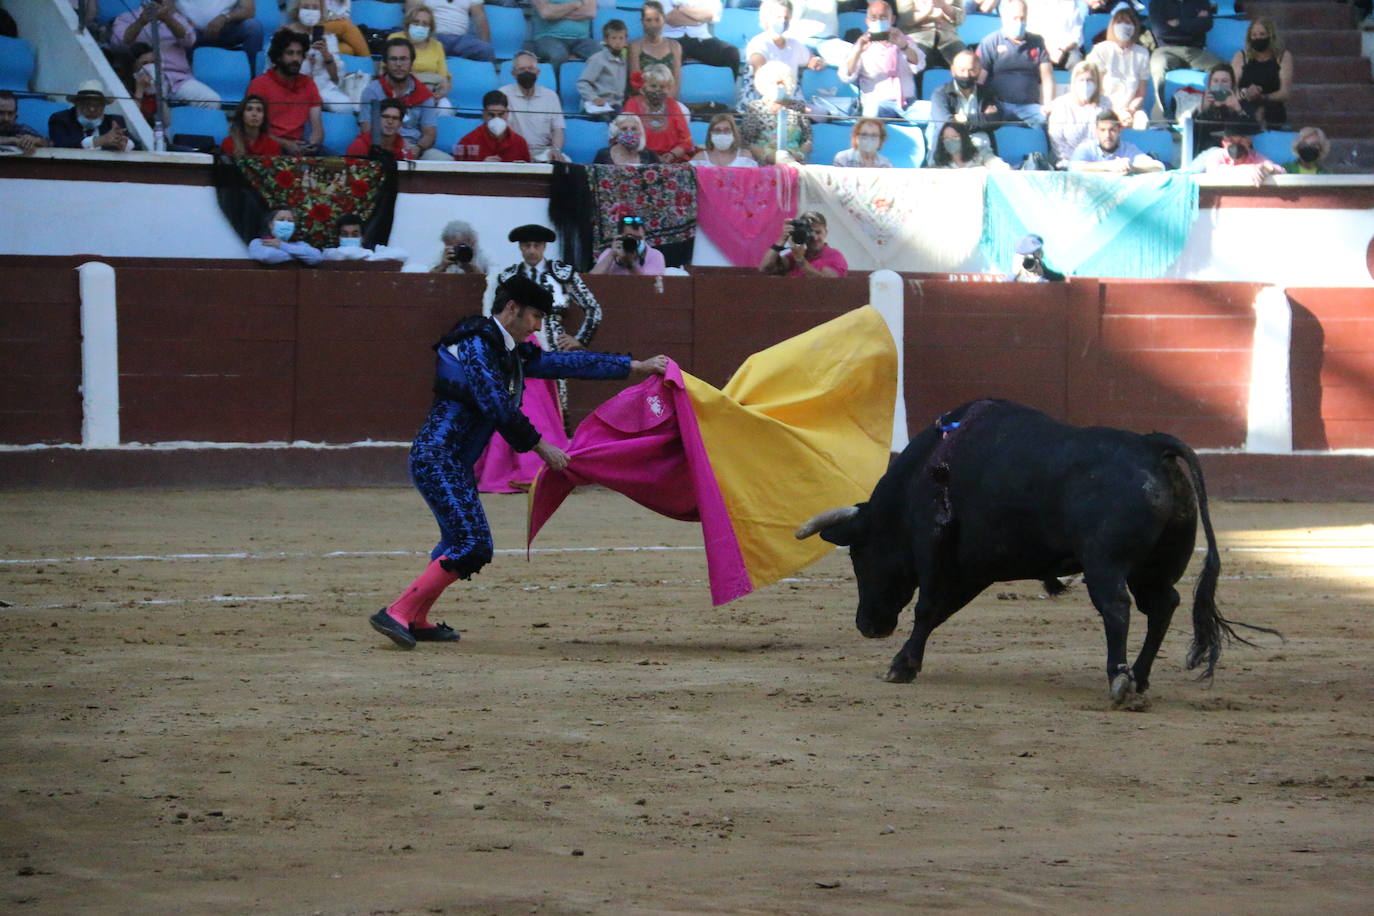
<point>418,33</point>
<point>149,71</point>
<point>778,26</point>
<point>1123,31</point>
<point>308,17</point>
<point>1237,151</point>
<point>526,79</point>
<point>879,26</point>
<point>1308,153</point>
<point>283,229</point>
<point>654,97</point>
<point>1221,93</point>
<point>89,123</point>
<point>966,82</point>
<point>628,139</point>
<point>351,243</point>
<point>1014,28</point>
<point>1084,89</point>
<point>869,144</point>
<point>723,140</point>
<point>497,126</point>
<point>953,145</point>
<point>1259,44</point>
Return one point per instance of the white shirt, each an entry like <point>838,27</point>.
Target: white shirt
<point>1122,69</point>
<point>451,17</point>
<point>1059,22</point>
<point>359,253</point>
<point>534,118</point>
<point>200,12</point>
<point>694,31</point>
<point>793,52</point>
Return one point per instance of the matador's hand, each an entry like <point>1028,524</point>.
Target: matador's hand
<point>656,365</point>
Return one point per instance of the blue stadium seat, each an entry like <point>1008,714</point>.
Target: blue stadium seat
<point>629,4</point>
<point>737,26</point>
<point>629,17</point>
<point>698,130</point>
<point>353,63</point>
<point>508,30</point>
<point>1015,143</point>
<point>850,21</point>
<point>976,27</point>
<point>583,139</point>
<point>701,83</point>
<point>472,79</point>
<point>568,75</point>
<point>110,9</point>
<point>269,14</point>
<point>1158,142</point>
<point>1226,37</point>
<point>1227,8</point>
<point>1276,144</point>
<point>827,85</point>
<point>375,14</point>
<point>35,113</point>
<point>547,78</point>
<point>452,129</point>
<point>339,130</point>
<point>207,122</point>
<point>827,140</point>
<point>1092,24</point>
<point>222,70</point>
<point>932,80</point>
<point>16,64</point>
<point>905,146</point>
<point>1175,80</point>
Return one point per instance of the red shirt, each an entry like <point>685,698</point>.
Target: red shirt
<point>362,145</point>
<point>288,102</point>
<point>663,132</point>
<point>263,146</point>
<point>479,144</point>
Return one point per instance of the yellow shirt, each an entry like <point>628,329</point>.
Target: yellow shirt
<point>429,57</point>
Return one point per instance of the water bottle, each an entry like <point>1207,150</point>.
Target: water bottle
<point>159,137</point>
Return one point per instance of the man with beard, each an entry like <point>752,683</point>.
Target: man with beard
<point>420,126</point>
<point>292,99</point>
<point>1107,152</point>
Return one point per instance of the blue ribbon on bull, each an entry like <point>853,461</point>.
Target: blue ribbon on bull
<point>1093,225</point>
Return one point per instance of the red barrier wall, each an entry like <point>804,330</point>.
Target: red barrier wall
<point>40,355</point>
<point>1333,368</point>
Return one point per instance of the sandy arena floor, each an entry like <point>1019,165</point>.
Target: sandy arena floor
<point>212,734</point>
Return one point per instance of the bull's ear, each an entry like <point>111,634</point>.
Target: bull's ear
<point>844,533</point>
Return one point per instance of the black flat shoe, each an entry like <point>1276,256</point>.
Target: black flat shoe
<point>392,629</point>
<point>440,632</point>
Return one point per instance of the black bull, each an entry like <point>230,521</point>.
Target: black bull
<point>996,492</point>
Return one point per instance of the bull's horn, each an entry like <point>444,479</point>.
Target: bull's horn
<point>825,520</point>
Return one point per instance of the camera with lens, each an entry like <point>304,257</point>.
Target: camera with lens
<point>629,244</point>
<point>1030,262</point>
<point>462,254</point>
<point>802,232</point>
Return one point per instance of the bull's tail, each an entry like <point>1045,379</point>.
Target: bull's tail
<point>1209,626</point>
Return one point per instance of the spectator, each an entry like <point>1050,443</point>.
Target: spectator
<point>965,100</point>
<point>801,250</point>
<point>396,82</point>
<point>1264,69</point>
<point>1018,66</point>
<point>493,140</point>
<point>248,130</point>
<point>775,16</point>
<point>1125,67</point>
<point>1180,28</point>
<point>689,21</point>
<point>867,137</point>
<point>1235,157</point>
<point>654,48</point>
<point>1073,114</point>
<point>14,135</point>
<point>1060,24</point>
<point>1028,265</point>
<point>144,92</point>
<point>883,64</point>
<point>351,247</point>
<point>429,66</point>
<point>664,118</point>
<point>724,148</point>
<point>626,143</point>
<point>461,27</point>
<point>276,245</point>
<point>321,62</point>
<point>1220,110</point>
<point>338,21</point>
<point>86,126</point>
<point>603,81</point>
<point>535,112</point>
<point>776,83</point>
<point>561,29</point>
<point>816,24</point>
<point>933,25</point>
<point>226,24</point>
<point>461,254</point>
<point>391,114</point>
<point>1311,148</point>
<point>293,100</point>
<point>1107,152</point>
<point>631,255</point>
<point>176,36</point>
<point>955,149</point>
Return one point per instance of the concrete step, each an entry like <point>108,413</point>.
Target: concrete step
<point>1335,125</point>
<point>1341,98</point>
<point>1323,42</point>
<point>1351,156</point>
<point>1298,15</point>
<point>1331,70</point>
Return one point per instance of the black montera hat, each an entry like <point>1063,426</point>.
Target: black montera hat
<point>532,232</point>
<point>525,292</point>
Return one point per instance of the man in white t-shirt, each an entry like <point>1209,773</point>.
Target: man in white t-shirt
<point>775,16</point>
<point>689,21</point>
<point>461,27</point>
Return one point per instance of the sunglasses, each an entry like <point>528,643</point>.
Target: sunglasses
<point>632,220</point>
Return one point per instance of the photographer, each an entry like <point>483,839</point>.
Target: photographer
<point>801,250</point>
<point>631,254</point>
<point>1029,264</point>
<point>460,254</point>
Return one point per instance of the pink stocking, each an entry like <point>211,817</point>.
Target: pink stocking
<point>412,607</point>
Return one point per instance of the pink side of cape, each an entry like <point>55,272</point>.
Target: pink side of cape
<point>501,468</point>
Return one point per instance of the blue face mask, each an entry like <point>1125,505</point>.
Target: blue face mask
<point>283,229</point>
<point>89,123</point>
<point>1014,28</point>
<point>350,243</point>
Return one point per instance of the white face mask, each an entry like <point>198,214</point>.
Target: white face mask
<point>1123,31</point>
<point>497,126</point>
<point>350,243</point>
<point>1084,89</point>
<point>869,144</point>
<point>89,123</point>
<point>308,17</point>
<point>722,140</point>
<point>419,33</point>
<point>149,70</point>
<point>878,26</point>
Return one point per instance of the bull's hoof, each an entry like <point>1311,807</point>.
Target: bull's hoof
<point>1122,689</point>
<point>899,675</point>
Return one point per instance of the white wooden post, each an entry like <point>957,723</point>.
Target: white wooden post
<point>99,356</point>
<point>885,293</point>
<point>1270,412</point>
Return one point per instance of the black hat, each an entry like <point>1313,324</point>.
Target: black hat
<point>525,292</point>
<point>532,232</point>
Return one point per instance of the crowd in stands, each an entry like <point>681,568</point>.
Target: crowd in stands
<point>963,83</point>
